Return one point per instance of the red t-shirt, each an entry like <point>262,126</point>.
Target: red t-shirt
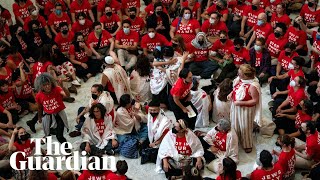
<point>129,40</point>
<point>275,173</point>
<point>21,12</point>
<point>100,126</point>
<point>299,37</point>
<point>276,45</point>
<point>114,176</point>
<point>182,146</point>
<point>109,23</point>
<point>264,3</point>
<point>313,146</point>
<point>315,44</point>
<point>89,175</point>
<point>1,109</point>
<point>7,77</point>
<point>4,31</point>
<point>187,31</point>
<point>53,19</point>
<point>213,8</point>
<point>78,55</point>
<point>49,7</point>
<point>317,67</point>
<point>213,30</point>
<point>17,60</point>
<point>308,15</point>
<point>114,5</point>
<point>246,87</point>
<point>84,29</point>
<point>76,8</point>
<point>285,60</point>
<point>51,176</point>
<point>150,44</point>
<point>25,92</point>
<point>194,9</point>
<point>295,97</point>
<point>252,16</point>
<point>150,9</point>
<point>238,176</point>
<point>7,100</point>
<point>273,5</point>
<point>104,39</point>
<point>52,103</point>
<point>42,2</point>
<point>263,31</point>
<point>27,148</point>
<point>293,75</point>
<point>41,20</point>
<point>137,24</point>
<point>301,118</point>
<point>258,59</point>
<point>199,54</point>
<point>220,141</point>
<point>239,57</point>
<point>287,160</point>
<point>166,2</point>
<point>180,88</point>
<point>127,4</point>
<point>39,68</point>
<point>282,19</point>
<point>64,42</point>
<point>222,49</point>
<point>240,9</point>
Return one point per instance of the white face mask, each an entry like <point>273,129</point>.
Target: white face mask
<point>82,21</point>
<point>151,35</point>
<point>257,48</point>
<point>290,66</point>
<point>272,1</point>
<point>212,21</point>
<point>35,12</point>
<point>187,16</point>
<point>292,83</point>
<point>126,30</point>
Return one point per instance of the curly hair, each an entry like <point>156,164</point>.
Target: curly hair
<point>43,79</point>
<point>143,66</point>
<point>225,88</point>
<point>101,108</point>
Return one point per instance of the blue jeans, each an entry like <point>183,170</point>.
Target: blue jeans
<point>141,135</point>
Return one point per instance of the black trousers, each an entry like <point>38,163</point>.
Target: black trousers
<point>163,96</point>
<point>280,84</point>
<point>228,71</point>
<point>96,151</point>
<point>208,155</point>
<point>179,114</point>
<point>94,66</point>
<point>15,117</point>
<point>82,119</point>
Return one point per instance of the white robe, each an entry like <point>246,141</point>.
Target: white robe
<point>232,148</point>
<point>201,102</point>
<point>157,127</point>
<point>125,121</point>
<point>221,109</point>
<point>168,149</point>
<point>106,100</point>
<point>140,87</point>
<point>119,80</point>
<point>90,133</point>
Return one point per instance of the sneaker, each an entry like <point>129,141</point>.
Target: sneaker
<point>75,134</point>
<point>110,152</point>
<point>76,83</point>
<point>32,126</point>
<point>78,79</point>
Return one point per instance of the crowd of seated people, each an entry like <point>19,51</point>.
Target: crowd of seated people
<point>151,61</point>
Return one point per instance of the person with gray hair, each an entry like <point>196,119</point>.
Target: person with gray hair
<point>51,107</point>
<point>220,142</point>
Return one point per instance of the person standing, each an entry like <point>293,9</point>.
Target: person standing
<point>246,105</point>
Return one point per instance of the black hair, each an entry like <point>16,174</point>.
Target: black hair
<point>124,100</point>
<point>311,126</point>
<point>58,4</point>
<point>32,22</point>
<point>290,45</point>
<point>183,9</point>
<point>81,14</point>
<point>97,23</point>
<point>230,168</point>
<point>143,66</point>
<point>15,27</point>
<point>16,137</point>
<point>133,9</point>
<point>15,75</point>
<point>2,83</point>
<point>224,3</point>
<point>98,86</point>
<point>101,107</point>
<point>217,13</point>
<point>75,42</point>
<point>302,81</point>
<point>122,167</point>
<point>45,53</point>
<point>151,24</point>
<point>156,5</point>
<point>184,73</point>
<point>308,104</point>
<point>282,26</point>
<point>167,51</point>
<point>126,21</point>
<point>154,103</point>
<point>195,84</point>
<point>266,159</point>
<point>288,141</point>
<point>299,60</point>
<point>62,24</point>
<point>238,41</point>
<point>157,53</point>
<point>13,50</point>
